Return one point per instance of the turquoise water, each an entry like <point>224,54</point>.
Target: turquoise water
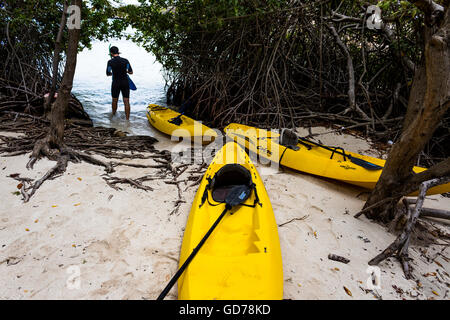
<point>93,88</point>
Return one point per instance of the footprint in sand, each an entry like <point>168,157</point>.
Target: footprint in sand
<point>104,211</point>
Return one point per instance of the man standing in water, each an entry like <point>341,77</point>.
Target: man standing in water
<point>118,67</point>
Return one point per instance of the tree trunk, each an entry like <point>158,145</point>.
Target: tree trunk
<point>428,102</point>
<point>56,134</point>
<point>56,59</point>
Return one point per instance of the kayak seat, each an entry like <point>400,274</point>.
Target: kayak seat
<point>289,138</point>
<point>221,193</point>
<point>228,178</point>
<point>176,120</point>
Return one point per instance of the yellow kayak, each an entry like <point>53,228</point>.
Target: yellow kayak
<point>242,257</point>
<point>161,118</point>
<point>329,162</point>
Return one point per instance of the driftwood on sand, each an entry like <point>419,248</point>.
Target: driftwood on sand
<point>399,248</point>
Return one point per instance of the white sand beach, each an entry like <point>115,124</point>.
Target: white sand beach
<point>125,244</point>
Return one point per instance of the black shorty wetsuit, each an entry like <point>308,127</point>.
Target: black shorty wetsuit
<point>118,67</point>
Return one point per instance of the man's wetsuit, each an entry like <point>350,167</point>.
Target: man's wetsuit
<point>118,67</point>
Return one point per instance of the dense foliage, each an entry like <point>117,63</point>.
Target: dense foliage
<point>276,63</point>
<point>280,63</point>
<point>260,49</point>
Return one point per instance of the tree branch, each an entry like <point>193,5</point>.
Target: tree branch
<point>432,10</point>
<point>351,73</point>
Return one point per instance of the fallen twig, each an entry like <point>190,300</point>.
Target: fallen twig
<point>294,219</point>
<point>337,258</point>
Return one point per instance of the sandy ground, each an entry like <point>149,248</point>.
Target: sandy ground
<point>78,238</point>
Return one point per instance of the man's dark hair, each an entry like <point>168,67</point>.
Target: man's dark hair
<point>114,50</point>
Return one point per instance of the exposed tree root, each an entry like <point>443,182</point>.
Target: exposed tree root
<point>180,196</point>
<point>387,204</point>
<point>166,169</point>
<point>79,144</point>
<point>23,185</point>
<point>62,156</point>
<point>399,248</point>
<point>113,181</point>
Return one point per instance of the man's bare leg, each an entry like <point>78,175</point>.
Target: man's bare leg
<point>126,102</point>
<point>114,105</point>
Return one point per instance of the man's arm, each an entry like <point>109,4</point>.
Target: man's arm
<point>129,69</point>
<point>108,70</point>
